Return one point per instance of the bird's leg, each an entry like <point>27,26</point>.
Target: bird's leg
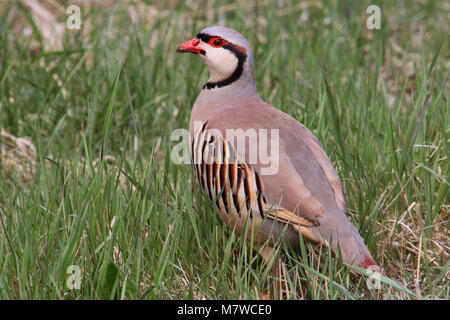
<point>268,254</point>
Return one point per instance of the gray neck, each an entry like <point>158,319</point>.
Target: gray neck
<point>235,93</point>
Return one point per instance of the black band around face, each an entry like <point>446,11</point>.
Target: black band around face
<point>240,55</point>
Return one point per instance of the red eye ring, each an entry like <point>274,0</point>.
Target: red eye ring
<point>217,42</point>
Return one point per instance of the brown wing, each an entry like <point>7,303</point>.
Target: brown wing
<point>236,188</point>
<point>306,182</point>
<point>322,159</point>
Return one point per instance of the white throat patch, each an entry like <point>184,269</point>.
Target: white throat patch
<point>220,62</point>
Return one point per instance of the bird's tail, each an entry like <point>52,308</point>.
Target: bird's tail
<point>338,232</point>
<point>352,247</point>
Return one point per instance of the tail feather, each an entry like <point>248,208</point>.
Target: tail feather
<point>352,247</point>
<point>340,233</point>
<point>368,261</point>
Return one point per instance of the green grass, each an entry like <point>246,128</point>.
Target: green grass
<point>100,110</point>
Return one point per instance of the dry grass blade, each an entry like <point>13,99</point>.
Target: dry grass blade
<point>51,30</point>
<point>17,155</point>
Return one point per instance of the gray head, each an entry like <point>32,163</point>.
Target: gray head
<point>228,56</point>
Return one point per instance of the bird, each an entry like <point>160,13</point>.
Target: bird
<point>301,195</point>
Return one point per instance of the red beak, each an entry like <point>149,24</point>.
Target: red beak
<point>190,46</point>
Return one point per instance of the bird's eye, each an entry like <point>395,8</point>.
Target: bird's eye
<point>217,42</point>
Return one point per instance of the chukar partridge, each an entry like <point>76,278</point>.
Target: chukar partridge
<point>302,194</point>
